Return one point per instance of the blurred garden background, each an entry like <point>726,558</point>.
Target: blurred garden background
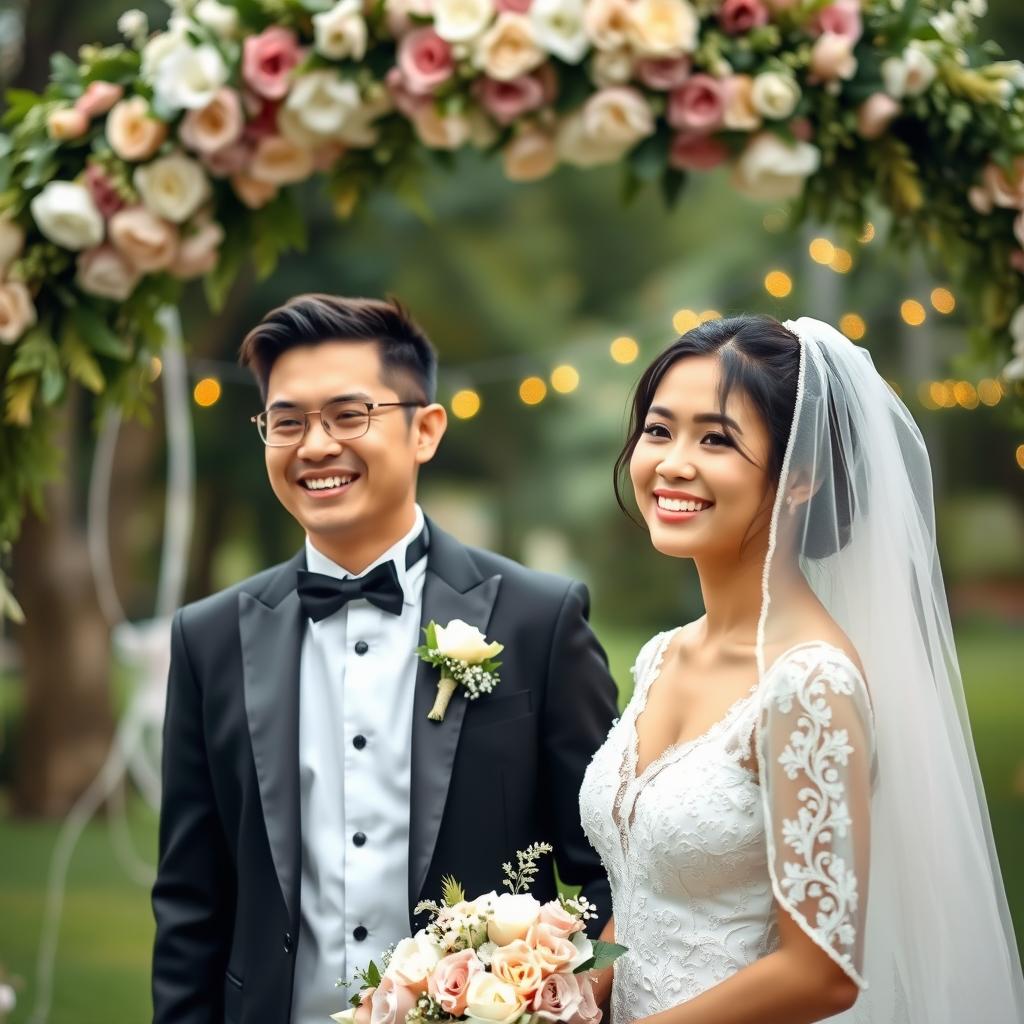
<point>545,301</point>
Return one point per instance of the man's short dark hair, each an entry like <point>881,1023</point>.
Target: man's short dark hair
<point>408,359</point>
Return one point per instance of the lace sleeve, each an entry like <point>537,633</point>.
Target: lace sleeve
<point>815,748</point>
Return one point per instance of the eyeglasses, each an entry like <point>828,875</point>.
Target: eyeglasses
<point>342,419</point>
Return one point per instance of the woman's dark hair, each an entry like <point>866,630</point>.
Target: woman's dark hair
<point>408,359</point>
<point>758,356</point>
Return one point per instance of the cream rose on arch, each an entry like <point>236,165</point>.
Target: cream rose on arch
<point>459,21</point>
<point>772,170</point>
<point>67,215</point>
<point>341,32</point>
<point>173,186</point>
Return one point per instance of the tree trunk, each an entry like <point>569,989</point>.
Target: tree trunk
<point>67,724</point>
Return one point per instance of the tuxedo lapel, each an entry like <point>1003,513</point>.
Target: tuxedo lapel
<point>453,589</point>
<point>272,627</point>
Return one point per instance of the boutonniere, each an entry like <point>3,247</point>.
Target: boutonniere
<point>465,659</point>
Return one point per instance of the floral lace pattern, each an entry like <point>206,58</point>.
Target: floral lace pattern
<point>690,844</point>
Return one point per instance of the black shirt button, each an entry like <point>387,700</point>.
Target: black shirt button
<point>359,839</point>
<point>362,647</point>
<point>359,742</point>
<point>287,942</point>
<point>359,933</point>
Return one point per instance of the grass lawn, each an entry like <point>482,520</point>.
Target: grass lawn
<point>107,930</point>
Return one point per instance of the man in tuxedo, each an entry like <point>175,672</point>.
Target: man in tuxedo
<point>308,802</point>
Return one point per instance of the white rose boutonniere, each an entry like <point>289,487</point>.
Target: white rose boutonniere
<point>465,659</point>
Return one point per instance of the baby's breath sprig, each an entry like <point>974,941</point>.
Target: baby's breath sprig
<point>426,1009</point>
<point>521,879</point>
<point>579,906</point>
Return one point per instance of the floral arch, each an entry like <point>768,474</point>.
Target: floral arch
<point>175,155</point>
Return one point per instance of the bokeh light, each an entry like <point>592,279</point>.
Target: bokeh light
<point>625,350</point>
<point>465,404</point>
<point>532,391</point>
<point>842,261</point>
<point>990,392</point>
<point>778,284</point>
<point>207,392</point>
<point>684,320</point>
<point>565,379</point>
<point>710,314</point>
<point>822,251</point>
<point>943,300</point>
<point>867,234</point>
<point>913,312</point>
<point>853,326</point>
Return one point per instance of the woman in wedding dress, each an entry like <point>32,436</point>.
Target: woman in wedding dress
<point>789,808</point>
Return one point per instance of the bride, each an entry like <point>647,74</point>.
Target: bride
<point>789,809</point>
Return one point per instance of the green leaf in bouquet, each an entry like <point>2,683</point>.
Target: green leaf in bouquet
<point>64,73</point>
<point>605,954</point>
<point>81,363</point>
<point>451,891</point>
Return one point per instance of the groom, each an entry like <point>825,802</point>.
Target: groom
<point>308,802</point>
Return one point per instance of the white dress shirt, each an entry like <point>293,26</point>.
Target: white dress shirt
<point>356,683</point>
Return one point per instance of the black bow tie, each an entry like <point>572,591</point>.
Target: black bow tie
<point>324,595</point>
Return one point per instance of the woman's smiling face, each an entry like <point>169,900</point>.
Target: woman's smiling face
<point>698,470</point>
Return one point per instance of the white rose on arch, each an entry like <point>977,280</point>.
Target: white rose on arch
<point>188,77</point>
<point>217,17</point>
<point>771,170</point>
<point>173,186</point>
<point>558,27</point>
<point>459,21</point>
<point>341,31</point>
<point>775,95</point>
<point>66,214</point>
<point>910,74</point>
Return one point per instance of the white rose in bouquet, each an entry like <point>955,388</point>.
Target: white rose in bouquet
<point>492,1001</point>
<point>66,214</point>
<point>412,961</point>
<point>512,918</point>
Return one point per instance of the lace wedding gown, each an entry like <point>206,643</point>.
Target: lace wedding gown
<point>701,849</point>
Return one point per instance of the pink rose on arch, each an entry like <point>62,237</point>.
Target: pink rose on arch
<point>739,16</point>
<point>559,920</point>
<point>1017,260</point>
<point>391,1002</point>
<point>425,60</point>
<point>449,981</point>
<point>588,1012</point>
<point>692,152</point>
<point>408,103</point>
<point>663,73</point>
<point>875,114</point>
<point>506,101</point>
<point>558,998</point>
<point>230,160</point>
<point>103,193</point>
<point>98,98</point>
<point>268,60</point>
<point>515,6</point>
<point>698,105</point>
<point>841,18</point>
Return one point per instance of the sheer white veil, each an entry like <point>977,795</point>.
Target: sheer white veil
<point>854,511</point>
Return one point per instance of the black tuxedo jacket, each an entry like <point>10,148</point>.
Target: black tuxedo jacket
<point>497,774</point>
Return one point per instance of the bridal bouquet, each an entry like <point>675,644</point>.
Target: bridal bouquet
<point>498,959</point>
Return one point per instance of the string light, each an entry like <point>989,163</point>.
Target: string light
<point>966,394</point>
<point>565,379</point>
<point>912,312</point>
<point>842,262</point>
<point>156,367</point>
<point>625,350</point>
<point>943,301</point>
<point>822,251</point>
<point>465,404</point>
<point>778,284</point>
<point>684,320</point>
<point>207,392</point>
<point>926,397</point>
<point>990,391</point>
<point>1020,455</point>
<point>532,391</point>
<point>853,326</point>
<point>867,234</point>
<point>710,314</point>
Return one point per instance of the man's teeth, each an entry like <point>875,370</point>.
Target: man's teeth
<point>676,505</point>
<point>323,483</point>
